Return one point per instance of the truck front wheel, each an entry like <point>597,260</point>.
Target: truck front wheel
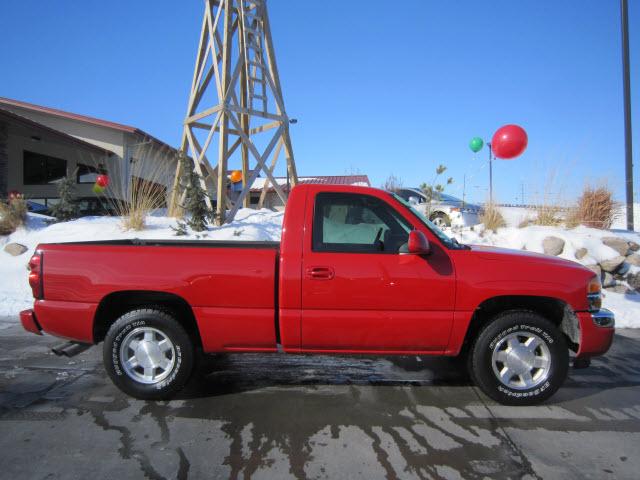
<point>519,358</point>
<point>148,354</point>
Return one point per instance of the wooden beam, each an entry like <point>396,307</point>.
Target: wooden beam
<point>264,128</point>
<point>265,188</point>
<point>221,191</point>
<point>203,114</point>
<point>261,159</point>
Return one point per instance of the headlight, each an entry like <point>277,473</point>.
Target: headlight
<point>594,294</point>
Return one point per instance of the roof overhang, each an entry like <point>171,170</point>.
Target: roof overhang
<point>11,117</point>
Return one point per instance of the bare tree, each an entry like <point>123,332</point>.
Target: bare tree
<point>392,183</point>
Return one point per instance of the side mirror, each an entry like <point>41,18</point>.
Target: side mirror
<point>414,200</point>
<point>418,243</point>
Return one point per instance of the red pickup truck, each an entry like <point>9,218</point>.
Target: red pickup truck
<point>357,271</point>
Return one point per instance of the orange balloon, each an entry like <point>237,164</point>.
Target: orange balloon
<point>236,176</point>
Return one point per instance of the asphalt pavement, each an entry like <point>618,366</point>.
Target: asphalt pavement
<point>281,416</point>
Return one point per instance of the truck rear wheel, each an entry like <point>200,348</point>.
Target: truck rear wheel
<point>148,354</point>
<point>519,358</point>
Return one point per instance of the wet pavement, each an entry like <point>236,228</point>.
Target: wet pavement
<point>278,416</point>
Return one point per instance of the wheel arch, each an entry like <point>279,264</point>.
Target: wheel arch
<point>436,212</point>
<point>116,304</point>
<point>553,309</point>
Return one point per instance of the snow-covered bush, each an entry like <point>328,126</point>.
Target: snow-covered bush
<point>194,197</point>
<point>67,207</point>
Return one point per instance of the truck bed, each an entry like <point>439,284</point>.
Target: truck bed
<point>230,286</point>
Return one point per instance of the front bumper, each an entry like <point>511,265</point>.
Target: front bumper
<point>596,332</point>
<point>29,322</point>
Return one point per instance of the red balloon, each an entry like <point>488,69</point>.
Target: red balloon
<point>509,142</point>
<point>102,180</point>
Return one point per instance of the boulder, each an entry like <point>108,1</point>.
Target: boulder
<point>553,245</point>
<point>633,281</point>
<point>595,269</point>
<point>611,264</point>
<point>581,253</point>
<point>15,249</point>
<point>634,246</point>
<point>623,269</point>
<point>608,280</point>
<point>620,245</point>
<point>619,288</point>
<point>634,259</point>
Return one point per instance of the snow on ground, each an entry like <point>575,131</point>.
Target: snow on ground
<point>264,225</point>
<point>15,294</point>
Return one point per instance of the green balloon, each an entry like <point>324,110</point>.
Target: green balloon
<point>97,189</point>
<point>476,144</point>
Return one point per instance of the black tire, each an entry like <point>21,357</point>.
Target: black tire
<point>440,218</point>
<point>495,335</point>
<point>182,354</point>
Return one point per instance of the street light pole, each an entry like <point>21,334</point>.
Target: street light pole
<point>490,173</point>
<point>628,149</point>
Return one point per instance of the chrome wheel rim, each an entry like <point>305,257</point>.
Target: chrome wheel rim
<point>147,355</point>
<point>521,361</point>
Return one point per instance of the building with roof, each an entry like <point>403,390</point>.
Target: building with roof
<point>268,198</point>
<point>40,145</point>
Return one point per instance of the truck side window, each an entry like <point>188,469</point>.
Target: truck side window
<point>348,222</point>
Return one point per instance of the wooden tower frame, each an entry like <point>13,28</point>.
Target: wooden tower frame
<point>236,52</point>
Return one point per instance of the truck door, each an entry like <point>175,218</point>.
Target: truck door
<point>359,292</point>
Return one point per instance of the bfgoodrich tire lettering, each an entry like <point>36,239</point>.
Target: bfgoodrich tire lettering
<point>179,368</point>
<point>539,371</point>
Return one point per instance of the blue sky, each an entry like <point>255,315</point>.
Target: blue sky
<point>378,87</point>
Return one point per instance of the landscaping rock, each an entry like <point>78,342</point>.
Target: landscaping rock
<point>623,269</point>
<point>611,264</point>
<point>619,288</point>
<point>15,249</point>
<point>634,259</point>
<point>608,280</point>
<point>553,245</point>
<point>595,269</point>
<point>634,281</point>
<point>581,253</point>
<point>620,245</point>
<point>633,246</point>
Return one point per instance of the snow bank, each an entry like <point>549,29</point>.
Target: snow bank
<point>15,294</point>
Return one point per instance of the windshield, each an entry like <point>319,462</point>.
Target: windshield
<point>451,243</point>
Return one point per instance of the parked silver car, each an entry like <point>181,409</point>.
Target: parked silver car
<point>444,211</point>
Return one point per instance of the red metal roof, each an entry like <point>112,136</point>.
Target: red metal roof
<point>362,180</point>
<point>81,118</point>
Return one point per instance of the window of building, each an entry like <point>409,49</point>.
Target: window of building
<point>88,173</point>
<point>346,222</point>
<point>41,169</point>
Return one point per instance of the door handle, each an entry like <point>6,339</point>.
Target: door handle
<point>320,273</point>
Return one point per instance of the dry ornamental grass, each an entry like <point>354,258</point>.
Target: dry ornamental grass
<point>595,208</point>
<point>492,218</point>
<point>12,215</point>
<point>147,189</point>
